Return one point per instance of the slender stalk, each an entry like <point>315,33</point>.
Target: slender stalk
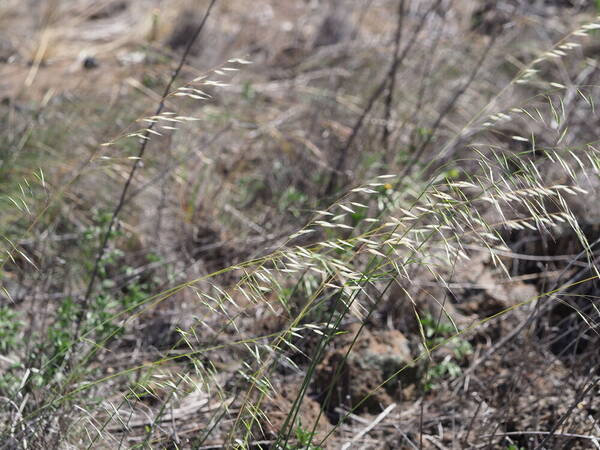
<point>142,149</point>
<point>339,166</point>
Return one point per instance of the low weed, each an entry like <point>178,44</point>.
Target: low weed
<point>438,332</point>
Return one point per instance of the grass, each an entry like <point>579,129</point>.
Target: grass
<point>210,274</point>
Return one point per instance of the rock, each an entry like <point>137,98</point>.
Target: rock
<point>278,407</point>
<point>131,58</point>
<point>90,63</point>
<point>375,356</point>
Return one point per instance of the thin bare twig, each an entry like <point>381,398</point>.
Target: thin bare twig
<point>343,153</point>
<point>136,165</point>
<point>531,318</point>
<point>594,439</point>
<point>368,428</point>
<point>449,106</point>
<point>389,99</point>
<point>566,415</point>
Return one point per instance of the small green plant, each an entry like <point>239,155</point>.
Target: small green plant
<point>438,332</point>
<point>59,338</point>
<point>10,331</point>
<point>10,327</point>
<point>110,298</point>
<point>291,200</point>
<point>304,440</point>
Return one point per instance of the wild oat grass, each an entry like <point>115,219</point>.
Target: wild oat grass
<point>212,381</point>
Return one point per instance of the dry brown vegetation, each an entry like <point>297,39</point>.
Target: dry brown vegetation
<point>299,224</point>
